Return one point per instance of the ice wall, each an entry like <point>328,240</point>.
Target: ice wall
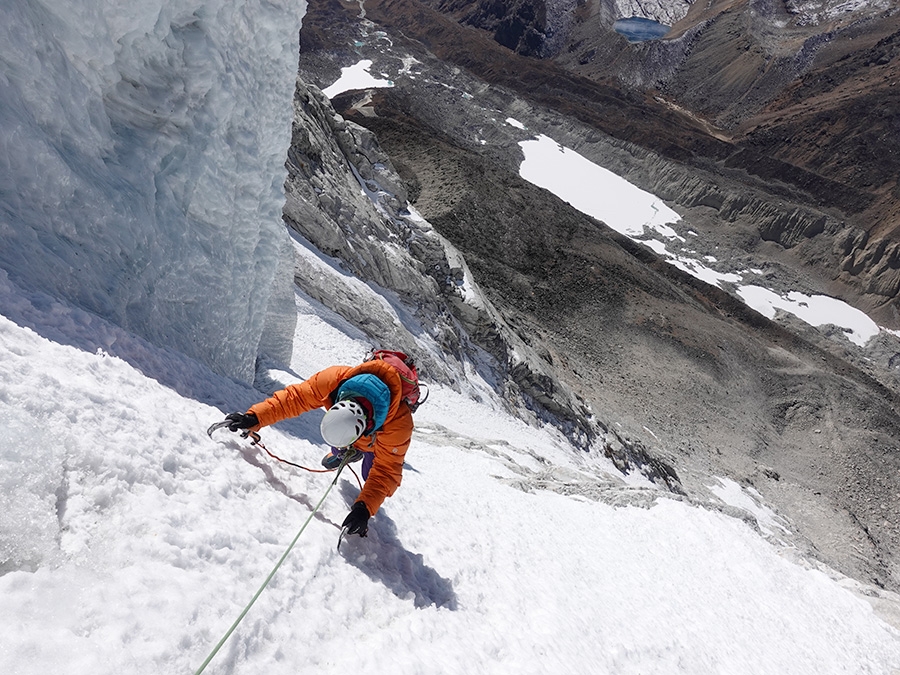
<point>142,147</point>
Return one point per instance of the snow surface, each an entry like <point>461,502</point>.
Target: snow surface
<point>748,499</point>
<point>816,310</point>
<point>641,215</point>
<point>592,189</point>
<point>131,541</point>
<point>357,76</point>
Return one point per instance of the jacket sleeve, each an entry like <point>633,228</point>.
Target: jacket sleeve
<point>390,447</point>
<point>296,399</point>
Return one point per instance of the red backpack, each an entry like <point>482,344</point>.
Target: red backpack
<point>406,368</point>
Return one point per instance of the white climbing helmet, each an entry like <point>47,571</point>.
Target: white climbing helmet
<point>344,422</point>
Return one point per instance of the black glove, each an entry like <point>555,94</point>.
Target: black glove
<point>357,521</point>
<point>241,421</point>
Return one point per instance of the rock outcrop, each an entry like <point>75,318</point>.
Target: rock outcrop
<point>346,198</point>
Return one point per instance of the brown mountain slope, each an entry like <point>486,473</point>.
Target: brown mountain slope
<point>685,368</point>
<point>820,97</point>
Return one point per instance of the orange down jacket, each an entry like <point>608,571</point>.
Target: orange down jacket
<point>389,443</point>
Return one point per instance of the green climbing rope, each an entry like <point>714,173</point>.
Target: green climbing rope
<point>272,573</point>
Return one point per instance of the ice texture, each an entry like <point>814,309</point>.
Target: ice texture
<point>142,148</point>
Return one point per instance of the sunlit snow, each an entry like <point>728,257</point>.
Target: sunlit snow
<point>816,310</point>
<point>638,214</point>
<point>592,189</point>
<point>131,541</point>
<point>734,495</point>
<point>692,265</point>
<point>356,76</point>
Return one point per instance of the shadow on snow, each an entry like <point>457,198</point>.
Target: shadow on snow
<point>382,557</point>
<point>253,456</point>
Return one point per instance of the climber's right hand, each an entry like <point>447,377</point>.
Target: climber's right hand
<point>239,421</point>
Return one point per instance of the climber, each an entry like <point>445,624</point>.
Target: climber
<point>368,417</point>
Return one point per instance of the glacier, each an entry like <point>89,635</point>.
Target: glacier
<point>143,148</point>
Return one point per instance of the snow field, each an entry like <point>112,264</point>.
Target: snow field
<point>638,214</point>
<point>152,538</point>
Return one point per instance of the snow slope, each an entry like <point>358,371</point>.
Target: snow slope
<point>130,541</point>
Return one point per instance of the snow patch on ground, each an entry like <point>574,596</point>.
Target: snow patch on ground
<point>816,310</point>
<point>592,189</point>
<point>358,76</point>
<point>638,214</point>
<point>749,500</point>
